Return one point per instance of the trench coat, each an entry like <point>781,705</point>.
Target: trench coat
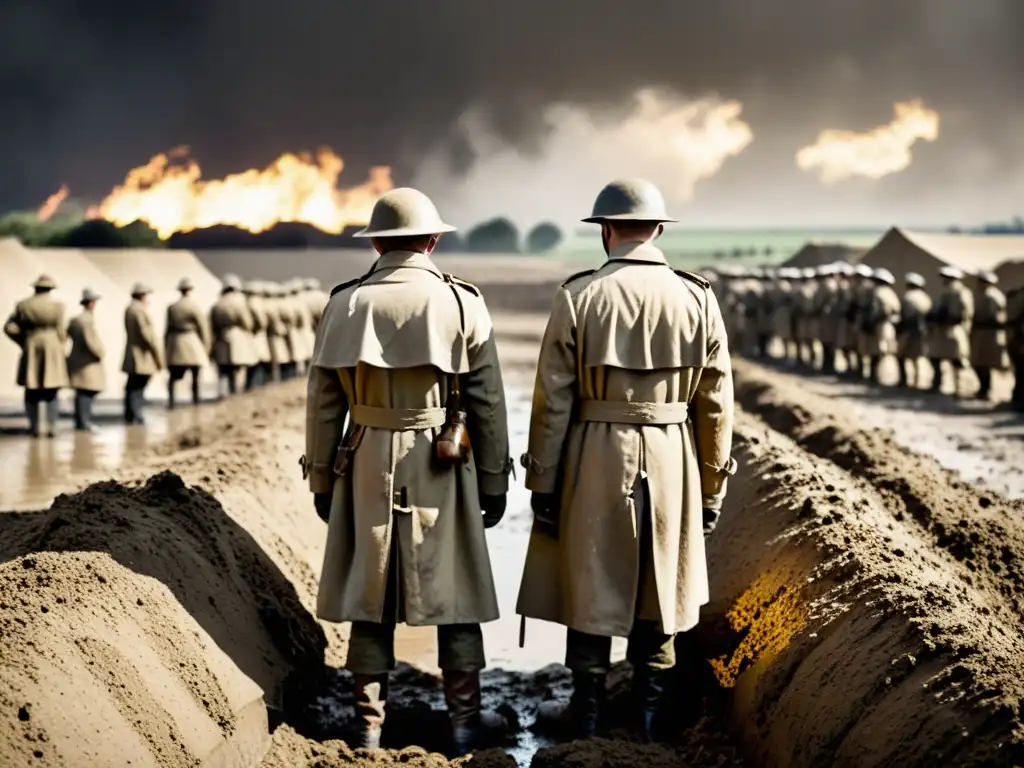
<point>258,310</point>
<point>37,326</point>
<point>85,361</point>
<point>142,354</point>
<point>988,334</point>
<point>914,309</point>
<point>881,318</point>
<point>299,341</point>
<point>277,332</point>
<point>231,321</point>
<point>952,341</point>
<point>392,342</point>
<point>631,426</point>
<point>186,336</point>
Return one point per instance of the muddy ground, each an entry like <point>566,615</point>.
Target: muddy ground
<point>865,606</point>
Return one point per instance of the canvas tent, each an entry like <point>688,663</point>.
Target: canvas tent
<point>817,254</point>
<point>901,251</point>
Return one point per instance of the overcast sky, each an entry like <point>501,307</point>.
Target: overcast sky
<point>520,106</point>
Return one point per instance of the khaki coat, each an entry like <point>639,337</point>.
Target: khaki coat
<point>277,332</point>
<point>882,317</point>
<point>232,324</point>
<point>85,361</point>
<point>258,310</point>
<point>631,332</point>
<point>37,326</point>
<point>142,355</point>
<point>914,311</point>
<point>394,342</point>
<point>952,342</point>
<point>988,333</point>
<point>187,335</point>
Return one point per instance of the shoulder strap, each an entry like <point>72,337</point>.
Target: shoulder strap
<point>578,275</point>
<point>453,280</point>
<point>693,277</point>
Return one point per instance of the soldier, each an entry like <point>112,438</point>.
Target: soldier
<point>863,292</point>
<point>840,317</point>
<point>37,326</point>
<point>782,310</point>
<point>85,361</point>
<point>807,318</point>
<point>1015,343</point>
<point>629,453</point>
<point>233,345</point>
<point>299,324</point>
<point>913,327</point>
<point>316,300</point>
<point>186,341</point>
<point>259,374</point>
<point>400,493</point>
<point>763,312</point>
<point>824,309</point>
<point>143,356</point>
<point>880,321</point>
<point>988,332</point>
<point>277,334</point>
<point>949,329</point>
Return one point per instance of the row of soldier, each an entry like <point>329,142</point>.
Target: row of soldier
<point>847,318</point>
<point>259,331</point>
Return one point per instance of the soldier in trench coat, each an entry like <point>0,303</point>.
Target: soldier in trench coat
<point>988,332</point>
<point>880,320</point>
<point>259,374</point>
<point>629,454</point>
<point>143,356</point>
<point>949,334</point>
<point>234,347</point>
<point>37,326</point>
<point>914,309</point>
<point>405,539</point>
<point>186,341</point>
<point>282,365</point>
<point>85,361</point>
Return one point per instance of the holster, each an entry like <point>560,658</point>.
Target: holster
<point>343,458</point>
<point>452,446</point>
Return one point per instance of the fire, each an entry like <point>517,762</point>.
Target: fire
<point>839,155</point>
<point>169,194</point>
<point>53,202</point>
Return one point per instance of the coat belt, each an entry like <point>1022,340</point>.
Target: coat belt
<point>620,412</point>
<point>397,419</point>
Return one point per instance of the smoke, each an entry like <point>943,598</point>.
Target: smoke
<point>91,90</point>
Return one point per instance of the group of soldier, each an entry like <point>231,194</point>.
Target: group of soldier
<point>259,331</point>
<point>847,318</point>
<point>628,459</point>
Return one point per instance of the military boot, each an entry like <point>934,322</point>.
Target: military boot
<point>646,695</point>
<point>371,696</point>
<point>32,408</point>
<point>936,376</point>
<point>469,721</point>
<point>582,716</point>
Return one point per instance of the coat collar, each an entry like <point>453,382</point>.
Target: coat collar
<point>406,259</point>
<point>637,252</point>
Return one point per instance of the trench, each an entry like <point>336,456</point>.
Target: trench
<point>178,601</point>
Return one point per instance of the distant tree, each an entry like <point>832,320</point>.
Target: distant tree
<point>544,237</point>
<point>494,236</point>
<point>768,250</point>
<point>99,233</point>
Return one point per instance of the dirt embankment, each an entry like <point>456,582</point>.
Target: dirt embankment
<point>864,603</point>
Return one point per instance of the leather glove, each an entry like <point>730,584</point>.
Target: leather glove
<point>322,502</point>
<point>710,520</point>
<point>493,508</point>
<point>545,510</point>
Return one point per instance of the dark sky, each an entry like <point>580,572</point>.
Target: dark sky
<point>91,88</point>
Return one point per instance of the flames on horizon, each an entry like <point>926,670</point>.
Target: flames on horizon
<point>169,194</point>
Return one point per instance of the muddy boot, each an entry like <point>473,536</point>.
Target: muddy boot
<point>465,711</point>
<point>581,717</point>
<point>646,695</point>
<point>371,696</point>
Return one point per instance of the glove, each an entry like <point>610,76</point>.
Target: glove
<point>545,510</point>
<point>322,502</point>
<point>493,508</point>
<point>710,520</point>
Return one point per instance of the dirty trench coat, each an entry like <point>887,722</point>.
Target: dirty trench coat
<point>142,355</point>
<point>883,313</point>
<point>186,335</point>
<point>232,324</point>
<point>85,361</point>
<point>951,341</point>
<point>37,326</point>
<point>914,309</point>
<point>632,331</point>
<point>385,356</point>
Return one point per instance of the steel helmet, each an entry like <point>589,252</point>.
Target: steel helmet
<point>863,270</point>
<point>885,276</point>
<point>913,278</point>
<point>232,283</point>
<point>952,273</point>
<point>185,284</point>
<point>988,277</point>
<point>629,200</point>
<point>404,212</point>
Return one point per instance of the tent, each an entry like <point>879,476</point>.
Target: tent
<point>817,254</point>
<point>1011,274</point>
<point>901,251</point>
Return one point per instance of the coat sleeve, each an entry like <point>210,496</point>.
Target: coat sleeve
<point>483,397</point>
<point>713,412</point>
<point>554,397</point>
<point>326,409</point>
<point>245,317</point>
<point>203,326</point>
<point>149,338</point>
<point>14,330</point>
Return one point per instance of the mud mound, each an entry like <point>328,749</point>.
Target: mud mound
<point>156,607</point>
<point>845,636</point>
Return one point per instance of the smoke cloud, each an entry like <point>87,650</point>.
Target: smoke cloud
<point>477,100</point>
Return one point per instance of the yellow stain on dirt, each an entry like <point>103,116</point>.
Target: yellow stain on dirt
<point>768,615</point>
